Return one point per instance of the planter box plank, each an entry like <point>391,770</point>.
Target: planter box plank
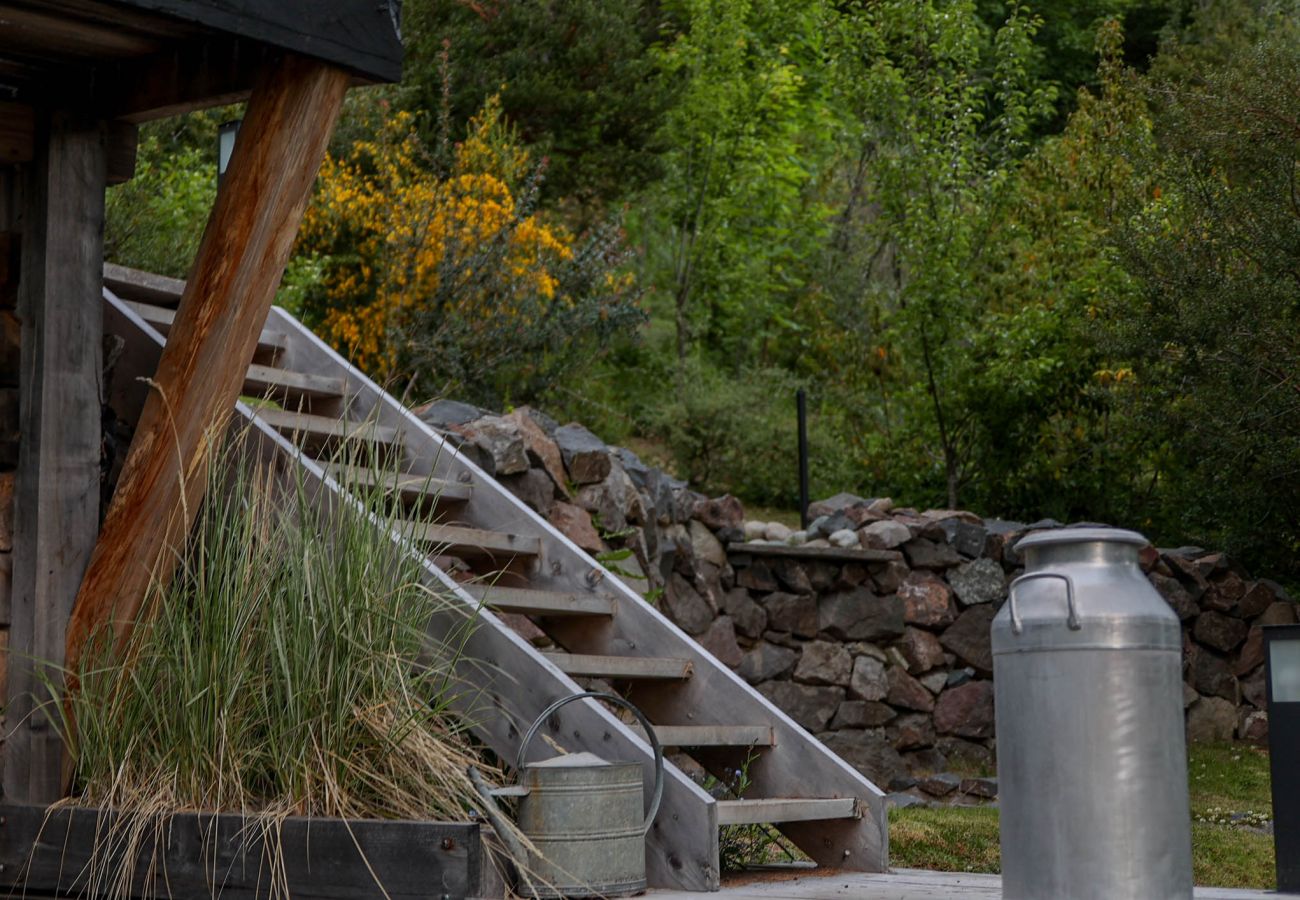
<point>211,855</point>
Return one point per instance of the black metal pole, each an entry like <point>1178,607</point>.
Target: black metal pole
<point>801,401</point>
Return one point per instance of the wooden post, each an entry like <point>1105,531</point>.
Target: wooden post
<point>56,488</point>
<point>226,302</point>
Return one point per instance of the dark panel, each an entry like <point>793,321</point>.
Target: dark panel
<point>324,859</point>
<point>361,35</point>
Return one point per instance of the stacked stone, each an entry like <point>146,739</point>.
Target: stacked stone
<point>871,627</point>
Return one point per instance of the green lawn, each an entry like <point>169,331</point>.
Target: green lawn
<point>1224,778</point>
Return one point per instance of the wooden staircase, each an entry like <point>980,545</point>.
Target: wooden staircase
<point>496,556</point>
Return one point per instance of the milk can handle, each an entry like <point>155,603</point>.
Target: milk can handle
<point>1072,617</point>
<point>645,723</point>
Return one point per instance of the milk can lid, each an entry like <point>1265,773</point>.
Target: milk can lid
<point>1081,535</point>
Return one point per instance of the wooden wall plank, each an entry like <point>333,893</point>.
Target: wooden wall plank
<point>189,854</point>
<point>56,488</point>
<point>240,262</point>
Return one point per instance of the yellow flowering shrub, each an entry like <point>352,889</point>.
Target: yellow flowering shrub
<point>434,267</point>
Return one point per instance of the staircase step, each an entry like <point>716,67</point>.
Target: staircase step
<point>161,318</point>
<point>454,540</point>
<point>282,384</point>
<point>630,668</point>
<point>327,428</point>
<point>540,603</point>
<point>754,812</point>
<point>713,735</point>
<point>411,488</point>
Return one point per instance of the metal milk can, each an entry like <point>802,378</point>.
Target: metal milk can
<point>582,816</point>
<point>1092,763</point>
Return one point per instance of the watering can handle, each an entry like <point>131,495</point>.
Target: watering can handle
<point>645,723</point>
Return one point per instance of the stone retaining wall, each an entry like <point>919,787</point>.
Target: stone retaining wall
<point>871,628</point>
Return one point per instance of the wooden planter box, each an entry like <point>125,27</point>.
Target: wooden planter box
<point>196,855</point>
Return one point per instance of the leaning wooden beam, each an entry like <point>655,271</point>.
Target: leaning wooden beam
<point>226,301</point>
<point>56,509</point>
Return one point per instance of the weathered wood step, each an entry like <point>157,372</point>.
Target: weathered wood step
<point>754,812</point>
<point>134,284</point>
<point>540,603</point>
<point>161,318</point>
<point>318,429</point>
<point>629,668</point>
<point>454,540</point>
<point>713,735</point>
<point>282,384</point>
<point>410,488</point>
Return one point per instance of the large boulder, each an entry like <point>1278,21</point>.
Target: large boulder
<point>721,512</point>
<point>586,458</point>
<point>906,692</point>
<point>1221,632</point>
<point>859,615</point>
<point>869,752</point>
<point>923,553</point>
<point>574,522</point>
<point>969,638</point>
<point>868,680</point>
<point>793,613</point>
<point>927,600</point>
<point>686,606</point>
<point>720,640</point>
<point>921,649</point>
<point>884,535</point>
<point>978,581</point>
<point>862,714</point>
<point>1211,719</point>
<point>767,661</point>
<point>539,446</point>
<point>810,706</point>
<point>824,662</point>
<point>966,710</point>
<point>749,618</point>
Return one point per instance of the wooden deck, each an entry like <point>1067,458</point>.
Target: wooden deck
<point>901,884</point>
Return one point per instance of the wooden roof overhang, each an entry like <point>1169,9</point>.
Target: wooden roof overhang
<point>130,61</point>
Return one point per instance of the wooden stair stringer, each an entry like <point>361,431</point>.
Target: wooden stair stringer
<point>798,765</point>
<point>506,682</point>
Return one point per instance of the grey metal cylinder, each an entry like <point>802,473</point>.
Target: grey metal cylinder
<point>1092,763</point>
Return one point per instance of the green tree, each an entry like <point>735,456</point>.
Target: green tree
<point>574,76</point>
<point>1214,336</point>
<point>727,231</point>
<point>942,117</point>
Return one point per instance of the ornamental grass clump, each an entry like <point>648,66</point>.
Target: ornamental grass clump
<point>285,670</point>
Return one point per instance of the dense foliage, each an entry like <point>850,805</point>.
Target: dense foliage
<point>1034,258</point>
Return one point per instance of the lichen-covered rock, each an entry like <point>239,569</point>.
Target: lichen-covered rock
<point>862,714</point>
<point>809,705</point>
<point>824,662</point>
<point>978,581</point>
<point>586,457</point>
<point>969,638</point>
<point>686,606</point>
<point>868,680</point>
<point>966,710</point>
<point>921,649</point>
<point>748,617</point>
<point>859,615</point>
<point>795,613</point>
<point>574,522</point>
<point>927,600</point>
<point>1221,632</point>
<point>720,640</point>
<point>767,661</point>
<point>1211,719</point>
<point>906,692</point>
<point>721,512</point>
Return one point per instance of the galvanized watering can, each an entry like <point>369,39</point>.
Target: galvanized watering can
<point>582,815</point>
